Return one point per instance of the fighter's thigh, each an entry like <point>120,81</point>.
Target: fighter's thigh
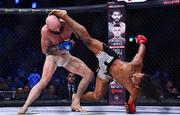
<point>49,67</point>
<point>101,86</point>
<point>77,66</point>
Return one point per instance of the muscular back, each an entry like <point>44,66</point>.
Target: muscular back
<point>121,69</point>
<point>48,39</point>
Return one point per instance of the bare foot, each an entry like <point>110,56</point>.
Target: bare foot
<point>22,110</point>
<point>75,106</point>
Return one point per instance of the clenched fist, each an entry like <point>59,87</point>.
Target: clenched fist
<point>58,13</point>
<point>140,39</point>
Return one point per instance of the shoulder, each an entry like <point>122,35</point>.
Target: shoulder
<point>44,29</point>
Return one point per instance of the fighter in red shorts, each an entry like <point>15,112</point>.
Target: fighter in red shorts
<point>128,74</point>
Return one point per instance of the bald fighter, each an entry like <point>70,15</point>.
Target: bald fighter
<point>55,45</point>
<point>128,74</point>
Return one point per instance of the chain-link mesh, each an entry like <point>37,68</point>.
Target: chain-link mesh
<point>161,26</point>
<point>20,37</point>
<point>20,43</point>
<point>20,48</point>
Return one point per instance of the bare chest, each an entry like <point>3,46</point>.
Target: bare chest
<point>56,39</point>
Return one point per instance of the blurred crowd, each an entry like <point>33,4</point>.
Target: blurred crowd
<point>18,88</point>
<point>166,84</point>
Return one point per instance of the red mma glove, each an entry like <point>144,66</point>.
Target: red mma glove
<point>130,107</point>
<point>140,39</point>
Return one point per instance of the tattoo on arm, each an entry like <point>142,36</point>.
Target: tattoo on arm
<point>52,50</point>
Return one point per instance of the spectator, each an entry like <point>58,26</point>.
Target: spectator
<point>19,94</point>
<point>18,87</point>
<point>3,87</point>
<point>33,78</point>
<point>70,83</point>
<point>50,93</point>
<point>17,83</point>
<point>10,83</point>
<point>26,89</point>
<point>61,88</point>
<point>172,90</point>
<point>3,84</point>
<point>22,93</point>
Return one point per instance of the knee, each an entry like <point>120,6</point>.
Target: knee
<point>43,83</point>
<point>89,74</point>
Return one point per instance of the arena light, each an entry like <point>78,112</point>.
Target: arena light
<point>131,38</point>
<point>34,5</point>
<point>17,1</point>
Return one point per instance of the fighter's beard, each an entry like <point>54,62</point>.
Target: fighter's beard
<point>117,21</point>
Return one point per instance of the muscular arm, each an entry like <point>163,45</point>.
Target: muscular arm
<point>141,51</point>
<point>93,44</point>
<point>46,46</point>
<point>77,28</point>
<point>44,42</point>
<point>140,55</point>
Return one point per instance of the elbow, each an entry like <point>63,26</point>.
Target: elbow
<point>44,51</point>
<point>89,75</point>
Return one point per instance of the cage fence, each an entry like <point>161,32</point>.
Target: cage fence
<point>20,47</point>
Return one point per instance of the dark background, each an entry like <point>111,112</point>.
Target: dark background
<point>20,37</point>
